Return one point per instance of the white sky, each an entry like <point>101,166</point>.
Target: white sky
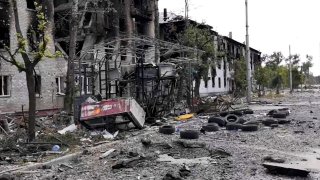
<point>273,24</point>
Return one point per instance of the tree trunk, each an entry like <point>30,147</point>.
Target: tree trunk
<point>68,101</point>
<point>278,89</point>
<point>32,103</point>
<point>30,79</point>
<point>197,87</point>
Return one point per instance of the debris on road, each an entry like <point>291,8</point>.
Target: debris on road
<point>286,169</point>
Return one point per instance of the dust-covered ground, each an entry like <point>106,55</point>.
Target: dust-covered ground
<point>220,155</point>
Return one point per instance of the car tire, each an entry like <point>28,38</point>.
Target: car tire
<point>284,121</point>
<point>221,122</point>
<point>279,115</point>
<point>167,129</point>
<point>252,122</point>
<point>189,134</point>
<point>238,113</point>
<point>233,126</point>
<point>232,118</point>
<point>248,111</point>
<point>241,121</point>
<point>211,127</point>
<point>269,122</point>
<point>270,113</point>
<point>250,128</point>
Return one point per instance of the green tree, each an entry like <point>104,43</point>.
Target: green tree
<point>273,62</point>
<point>200,37</point>
<point>240,74</point>
<point>30,58</point>
<point>261,76</point>
<point>305,68</point>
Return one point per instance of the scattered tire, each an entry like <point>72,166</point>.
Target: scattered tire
<point>248,111</point>
<point>270,113</point>
<point>167,129</point>
<point>250,128</point>
<point>279,115</point>
<point>238,113</point>
<point>224,114</point>
<point>233,126</point>
<point>189,134</point>
<point>232,118</point>
<point>221,122</point>
<point>211,127</point>
<point>284,121</point>
<point>251,122</point>
<point>241,121</point>
<point>269,122</point>
<point>284,110</point>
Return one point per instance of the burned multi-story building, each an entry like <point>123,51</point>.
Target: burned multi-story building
<point>112,37</point>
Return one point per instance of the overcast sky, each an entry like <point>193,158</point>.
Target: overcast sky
<point>274,24</point>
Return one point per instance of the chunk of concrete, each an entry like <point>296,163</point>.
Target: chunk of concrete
<point>286,169</point>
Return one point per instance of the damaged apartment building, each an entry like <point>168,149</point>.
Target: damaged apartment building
<point>120,52</point>
<point>49,72</point>
<point>117,54</point>
<point>221,77</point>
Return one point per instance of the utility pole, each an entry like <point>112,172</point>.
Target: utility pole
<point>290,69</point>
<point>248,57</point>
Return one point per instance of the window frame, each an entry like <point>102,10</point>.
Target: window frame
<point>2,86</point>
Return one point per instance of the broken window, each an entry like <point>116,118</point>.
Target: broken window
<point>37,80</point>
<point>225,82</point>
<point>4,25</point>
<point>86,86</point>
<point>213,82</point>
<point>219,81</point>
<point>219,64</point>
<point>87,20</point>
<point>206,84</point>
<point>30,4</point>
<point>4,86</point>
<point>122,25</point>
<point>60,84</point>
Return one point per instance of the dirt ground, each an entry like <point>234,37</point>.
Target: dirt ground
<point>224,154</point>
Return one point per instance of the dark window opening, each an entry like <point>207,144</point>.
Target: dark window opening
<point>123,56</point>
<point>61,22</point>
<point>87,19</point>
<point>219,81</point>
<point>4,85</point>
<point>37,80</point>
<point>213,82</point>
<point>4,25</point>
<point>122,25</point>
<point>140,28</point>
<point>30,4</point>
<point>79,47</point>
<point>60,85</point>
<point>206,83</point>
<point>225,82</point>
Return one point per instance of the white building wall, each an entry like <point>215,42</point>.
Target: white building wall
<point>216,89</point>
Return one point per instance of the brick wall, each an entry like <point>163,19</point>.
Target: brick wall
<point>48,69</point>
